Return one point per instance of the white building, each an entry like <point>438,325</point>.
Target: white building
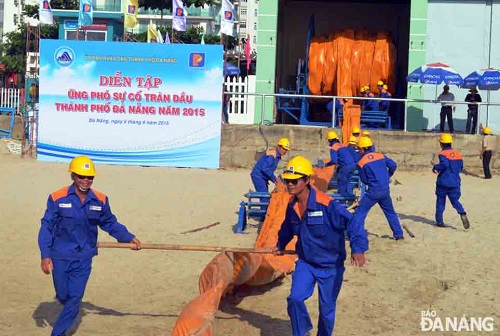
<point>248,17</point>
<point>11,14</point>
<point>204,17</point>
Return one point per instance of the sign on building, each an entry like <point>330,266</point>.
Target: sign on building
<point>130,103</point>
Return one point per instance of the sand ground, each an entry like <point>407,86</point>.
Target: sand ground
<point>449,270</point>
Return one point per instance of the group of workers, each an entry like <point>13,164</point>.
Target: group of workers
<point>368,104</point>
<point>322,224</point>
<point>373,104</point>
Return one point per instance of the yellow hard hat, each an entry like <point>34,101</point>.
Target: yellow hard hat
<point>367,133</point>
<point>363,89</point>
<point>446,139</point>
<point>365,142</point>
<point>297,167</point>
<point>385,87</point>
<point>285,143</point>
<point>380,83</point>
<point>82,165</point>
<point>486,130</point>
<point>355,129</point>
<point>332,136</point>
<point>352,140</point>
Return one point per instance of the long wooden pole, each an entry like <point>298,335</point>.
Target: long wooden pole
<point>170,247</point>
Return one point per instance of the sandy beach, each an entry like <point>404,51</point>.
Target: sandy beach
<point>447,270</point>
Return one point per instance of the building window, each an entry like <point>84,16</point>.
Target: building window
<point>255,39</point>
<point>87,35</point>
<point>255,12</point>
<point>243,11</point>
<point>243,25</point>
<point>255,26</point>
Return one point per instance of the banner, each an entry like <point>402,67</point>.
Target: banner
<point>86,13</point>
<point>130,103</point>
<point>178,16</point>
<point>130,13</point>
<point>45,13</point>
<point>227,18</point>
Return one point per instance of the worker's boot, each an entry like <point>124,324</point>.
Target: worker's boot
<point>465,220</point>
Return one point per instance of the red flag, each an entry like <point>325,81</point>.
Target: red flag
<point>248,51</point>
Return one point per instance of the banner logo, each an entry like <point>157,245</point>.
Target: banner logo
<point>87,8</point>
<point>46,5</point>
<point>197,60</point>
<point>179,12</point>
<point>131,9</point>
<point>228,15</point>
<point>64,56</point>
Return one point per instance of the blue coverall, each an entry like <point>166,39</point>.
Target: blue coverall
<point>68,235</point>
<point>384,104</point>
<point>448,182</point>
<point>338,106</point>
<point>370,105</point>
<point>356,156</point>
<point>341,155</point>
<point>263,171</point>
<point>321,254</point>
<point>375,170</point>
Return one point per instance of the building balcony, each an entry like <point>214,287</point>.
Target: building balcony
<point>191,11</point>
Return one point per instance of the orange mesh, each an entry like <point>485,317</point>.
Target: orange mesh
<point>352,116</point>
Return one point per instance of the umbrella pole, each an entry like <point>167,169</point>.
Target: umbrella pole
<point>487,107</point>
<point>435,105</point>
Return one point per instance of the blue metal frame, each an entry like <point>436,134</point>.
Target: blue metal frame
<point>7,133</point>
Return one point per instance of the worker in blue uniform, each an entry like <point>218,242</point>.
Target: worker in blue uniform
<point>339,105</point>
<point>383,91</point>
<point>263,171</point>
<point>368,104</point>
<point>341,156</point>
<point>375,169</point>
<point>353,149</point>
<point>68,236</point>
<point>448,180</point>
<point>319,224</point>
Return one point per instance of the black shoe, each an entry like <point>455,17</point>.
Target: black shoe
<point>399,238</point>
<point>440,224</point>
<point>465,221</point>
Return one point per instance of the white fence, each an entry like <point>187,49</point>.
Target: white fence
<point>241,107</point>
<point>11,98</point>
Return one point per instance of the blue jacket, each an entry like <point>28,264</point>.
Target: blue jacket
<point>340,154</point>
<point>356,156</point>
<point>449,167</point>
<point>321,241</point>
<point>69,228</point>
<point>384,104</point>
<point>266,165</point>
<point>370,105</point>
<point>375,169</point>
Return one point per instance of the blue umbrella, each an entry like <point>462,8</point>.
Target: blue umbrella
<point>435,73</point>
<point>485,79</point>
<point>231,70</point>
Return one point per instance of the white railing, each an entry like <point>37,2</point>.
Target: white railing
<point>241,106</point>
<point>11,98</point>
